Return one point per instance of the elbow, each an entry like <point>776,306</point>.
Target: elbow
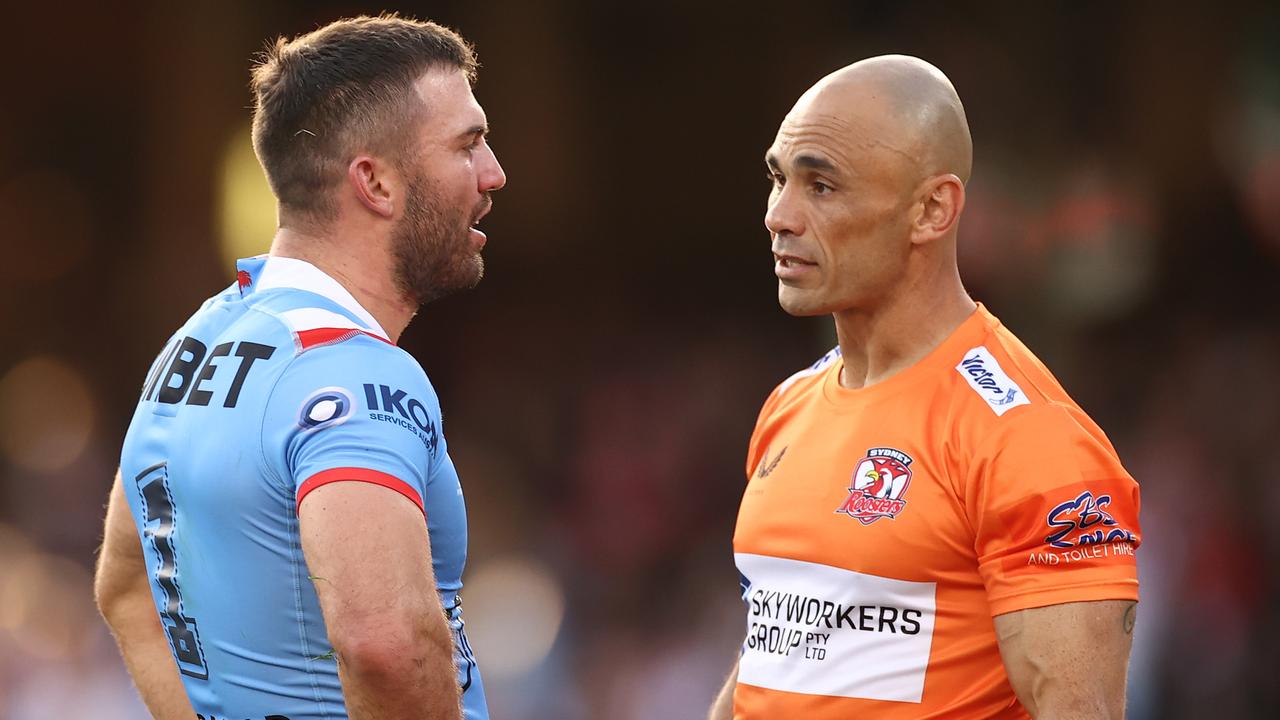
<point>109,594</point>
<point>117,593</point>
<point>393,651</point>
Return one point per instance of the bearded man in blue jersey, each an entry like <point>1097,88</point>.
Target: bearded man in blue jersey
<point>265,552</point>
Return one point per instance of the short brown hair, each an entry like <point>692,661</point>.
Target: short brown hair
<point>322,96</point>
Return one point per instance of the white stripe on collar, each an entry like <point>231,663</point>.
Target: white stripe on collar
<point>285,272</point>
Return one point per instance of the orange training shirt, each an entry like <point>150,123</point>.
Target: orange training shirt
<point>882,528</point>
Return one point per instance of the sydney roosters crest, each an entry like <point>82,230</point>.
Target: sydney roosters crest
<point>878,486</point>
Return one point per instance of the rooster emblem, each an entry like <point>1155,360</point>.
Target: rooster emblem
<point>879,482</point>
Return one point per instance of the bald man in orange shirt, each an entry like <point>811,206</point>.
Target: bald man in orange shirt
<point>931,527</point>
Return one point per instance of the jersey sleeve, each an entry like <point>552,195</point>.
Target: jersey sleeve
<point>1055,514</point>
<point>354,411</point>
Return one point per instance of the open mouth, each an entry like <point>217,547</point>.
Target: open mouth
<point>484,210</point>
<point>790,261</point>
<point>475,222</point>
<point>793,268</point>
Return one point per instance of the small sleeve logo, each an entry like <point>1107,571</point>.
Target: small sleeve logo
<point>325,408</point>
<point>980,369</point>
<point>1084,520</point>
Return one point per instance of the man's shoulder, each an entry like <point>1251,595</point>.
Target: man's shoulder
<point>348,355</point>
<point>325,348</point>
<point>359,381</point>
<point>996,376</point>
<point>1002,393</point>
<point>806,379</point>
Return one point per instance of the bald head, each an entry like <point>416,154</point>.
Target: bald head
<point>901,104</point>
<point>868,174</point>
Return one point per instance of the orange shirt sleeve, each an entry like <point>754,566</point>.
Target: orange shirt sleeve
<point>757,444</point>
<point>1055,515</point>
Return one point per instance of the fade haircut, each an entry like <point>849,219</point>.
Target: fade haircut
<point>347,87</point>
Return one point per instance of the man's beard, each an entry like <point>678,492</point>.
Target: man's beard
<point>432,245</point>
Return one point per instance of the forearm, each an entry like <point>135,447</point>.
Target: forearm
<point>136,626</point>
<point>722,708</point>
<point>392,680</point>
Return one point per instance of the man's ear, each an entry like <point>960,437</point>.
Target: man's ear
<point>374,185</point>
<point>941,202</point>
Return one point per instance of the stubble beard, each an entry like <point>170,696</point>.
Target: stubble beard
<point>432,245</point>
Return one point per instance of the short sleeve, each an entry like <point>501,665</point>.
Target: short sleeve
<point>355,411</point>
<point>1055,514</point>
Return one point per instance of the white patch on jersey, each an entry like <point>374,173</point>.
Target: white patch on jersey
<point>323,410</point>
<point>823,630</point>
<point>988,379</point>
<point>311,318</point>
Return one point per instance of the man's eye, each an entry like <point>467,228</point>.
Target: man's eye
<point>775,177</point>
<point>821,188</point>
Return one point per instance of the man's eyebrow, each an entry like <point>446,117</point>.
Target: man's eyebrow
<point>804,160</point>
<point>481,129</point>
<point>814,162</point>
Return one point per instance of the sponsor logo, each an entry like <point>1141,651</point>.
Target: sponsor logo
<point>878,485</point>
<point>980,369</point>
<point>387,404</point>
<point>326,407</point>
<point>186,370</point>
<point>1084,520</point>
<point>767,465</point>
<point>823,630</point>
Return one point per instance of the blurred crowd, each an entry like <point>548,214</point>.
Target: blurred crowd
<point>600,386</point>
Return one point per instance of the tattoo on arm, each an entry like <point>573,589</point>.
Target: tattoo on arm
<point>1130,617</point>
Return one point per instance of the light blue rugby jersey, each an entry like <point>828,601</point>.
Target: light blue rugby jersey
<point>278,385</point>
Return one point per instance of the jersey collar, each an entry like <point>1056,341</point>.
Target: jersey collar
<point>267,272</point>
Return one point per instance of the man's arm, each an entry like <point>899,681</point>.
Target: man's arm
<point>123,593</point>
<point>370,560</point>
<point>1070,660</point>
<point>722,708</point>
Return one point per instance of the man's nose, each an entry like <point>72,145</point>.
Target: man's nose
<point>491,175</point>
<point>783,216</point>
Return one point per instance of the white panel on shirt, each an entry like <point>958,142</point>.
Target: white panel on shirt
<point>292,273</point>
<point>312,318</point>
<point>823,630</point>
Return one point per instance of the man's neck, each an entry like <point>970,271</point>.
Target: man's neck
<point>367,274</point>
<point>879,342</point>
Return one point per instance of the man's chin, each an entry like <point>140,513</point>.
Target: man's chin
<point>473,274</point>
<point>800,304</point>
<point>466,276</point>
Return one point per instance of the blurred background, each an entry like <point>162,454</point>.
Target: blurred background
<point>601,383</point>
